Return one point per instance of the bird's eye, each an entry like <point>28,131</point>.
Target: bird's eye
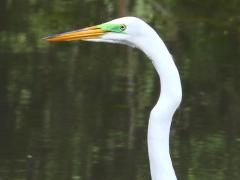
<point>123,27</point>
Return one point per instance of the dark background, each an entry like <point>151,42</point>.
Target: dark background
<point>80,110</point>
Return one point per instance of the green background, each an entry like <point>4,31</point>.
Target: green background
<point>79,110</point>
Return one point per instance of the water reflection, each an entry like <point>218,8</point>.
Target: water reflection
<point>80,110</point>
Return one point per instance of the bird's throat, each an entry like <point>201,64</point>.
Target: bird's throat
<point>162,113</point>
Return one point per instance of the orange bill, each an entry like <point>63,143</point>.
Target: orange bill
<point>82,34</point>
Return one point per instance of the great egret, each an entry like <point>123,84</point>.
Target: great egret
<point>135,32</point>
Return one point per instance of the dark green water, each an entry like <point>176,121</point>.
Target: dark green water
<point>79,111</point>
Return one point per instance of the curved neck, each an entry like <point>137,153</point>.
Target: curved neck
<point>161,115</point>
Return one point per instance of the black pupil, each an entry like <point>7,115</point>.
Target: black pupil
<point>122,27</point>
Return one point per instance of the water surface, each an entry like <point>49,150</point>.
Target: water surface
<point>80,110</point>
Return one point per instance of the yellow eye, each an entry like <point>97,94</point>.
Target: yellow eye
<point>123,27</point>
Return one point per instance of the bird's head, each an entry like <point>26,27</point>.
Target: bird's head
<point>126,30</point>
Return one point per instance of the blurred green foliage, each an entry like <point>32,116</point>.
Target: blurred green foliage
<point>80,110</point>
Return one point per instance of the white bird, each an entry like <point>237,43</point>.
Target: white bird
<point>135,32</point>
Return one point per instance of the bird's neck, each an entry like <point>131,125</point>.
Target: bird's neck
<point>161,115</point>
